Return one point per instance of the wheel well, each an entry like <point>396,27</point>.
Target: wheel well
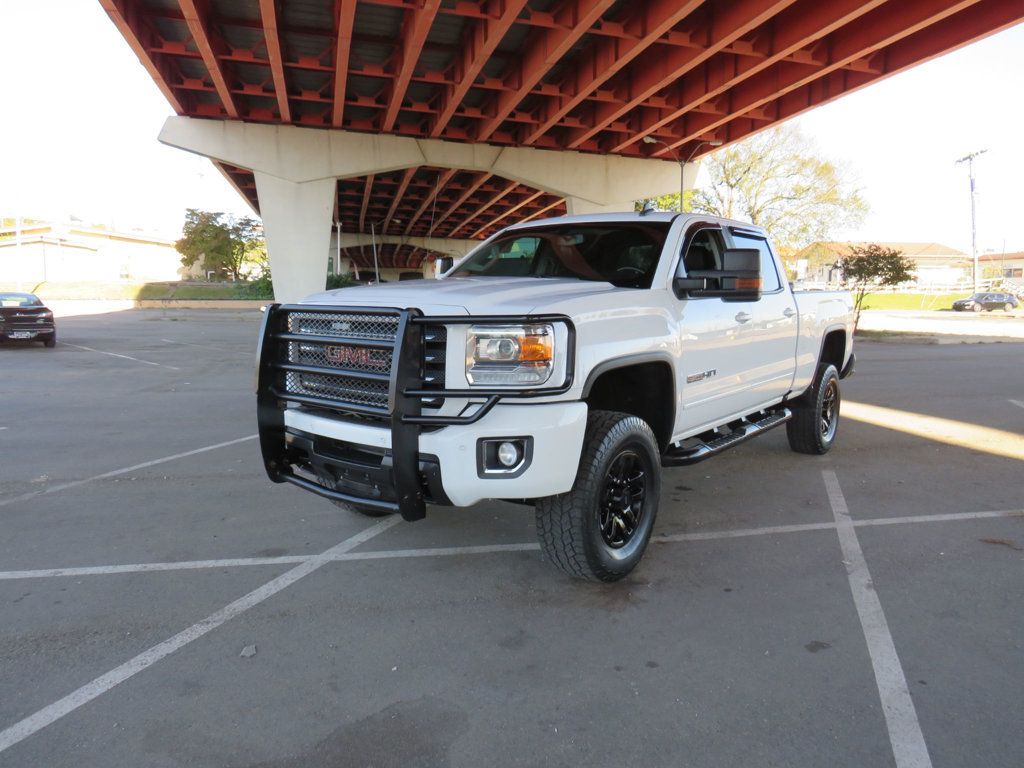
<point>833,350</point>
<point>644,390</point>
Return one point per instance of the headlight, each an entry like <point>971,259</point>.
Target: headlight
<point>510,354</point>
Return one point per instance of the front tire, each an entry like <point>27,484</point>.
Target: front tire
<point>977,307</point>
<point>815,421</point>
<point>50,341</point>
<point>1008,307</point>
<point>599,530</point>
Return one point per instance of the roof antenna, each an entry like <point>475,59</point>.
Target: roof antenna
<point>649,207</point>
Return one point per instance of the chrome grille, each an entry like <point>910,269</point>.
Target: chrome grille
<point>372,360</point>
<point>348,357</point>
<point>375,327</point>
<point>337,387</point>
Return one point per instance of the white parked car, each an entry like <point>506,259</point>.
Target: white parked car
<point>562,363</point>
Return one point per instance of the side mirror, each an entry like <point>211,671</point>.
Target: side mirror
<point>738,280</point>
<point>444,263</point>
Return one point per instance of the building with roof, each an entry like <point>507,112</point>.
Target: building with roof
<point>75,252</point>
<point>935,265</point>
<point>1003,266</point>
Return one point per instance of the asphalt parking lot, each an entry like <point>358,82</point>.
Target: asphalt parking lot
<point>163,604</point>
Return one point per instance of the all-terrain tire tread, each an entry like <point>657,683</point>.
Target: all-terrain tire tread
<point>560,519</point>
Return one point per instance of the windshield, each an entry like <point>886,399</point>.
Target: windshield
<point>19,300</point>
<point>623,254</point>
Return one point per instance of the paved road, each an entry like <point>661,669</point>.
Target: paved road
<point>135,572</point>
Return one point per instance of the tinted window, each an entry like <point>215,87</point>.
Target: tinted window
<point>769,277</point>
<point>624,254</point>
<point>704,251</point>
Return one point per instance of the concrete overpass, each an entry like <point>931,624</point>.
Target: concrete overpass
<point>433,123</point>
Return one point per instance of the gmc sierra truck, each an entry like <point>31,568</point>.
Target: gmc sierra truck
<point>562,363</point>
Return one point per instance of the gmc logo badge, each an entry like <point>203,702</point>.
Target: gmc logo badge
<point>351,355</point>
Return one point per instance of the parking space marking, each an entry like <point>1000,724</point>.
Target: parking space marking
<point>249,353</point>
<point>123,471</point>
<point>481,549</point>
<point>1018,403</point>
<point>908,746</point>
<point>49,714</point>
<point>180,565</point>
<point>124,357</point>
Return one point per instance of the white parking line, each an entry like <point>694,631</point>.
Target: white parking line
<point>250,353</point>
<point>908,747</point>
<point>124,357</point>
<point>123,471</point>
<point>47,715</point>
<point>482,549</point>
<point>1018,403</point>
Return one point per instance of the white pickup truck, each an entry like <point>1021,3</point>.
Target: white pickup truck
<point>562,364</point>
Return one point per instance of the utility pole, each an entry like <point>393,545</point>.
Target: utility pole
<point>969,159</point>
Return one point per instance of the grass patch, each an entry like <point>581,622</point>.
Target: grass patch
<point>136,291</point>
<point>919,301</point>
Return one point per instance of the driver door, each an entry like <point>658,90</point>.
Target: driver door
<point>711,363</point>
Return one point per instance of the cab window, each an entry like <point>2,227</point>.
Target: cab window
<point>704,251</point>
<point>769,276</point>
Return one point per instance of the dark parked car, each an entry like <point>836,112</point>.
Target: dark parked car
<point>23,316</point>
<point>987,302</point>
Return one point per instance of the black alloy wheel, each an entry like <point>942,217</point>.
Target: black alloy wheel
<point>829,416</point>
<point>622,499</point>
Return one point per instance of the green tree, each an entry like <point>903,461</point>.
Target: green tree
<point>778,180</point>
<point>221,243</point>
<point>872,266</point>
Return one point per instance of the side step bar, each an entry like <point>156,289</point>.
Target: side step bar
<point>682,457</point>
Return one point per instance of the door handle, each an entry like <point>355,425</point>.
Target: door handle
<point>742,317</point>
<point>789,312</point>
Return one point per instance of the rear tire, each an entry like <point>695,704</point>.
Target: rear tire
<point>599,530</point>
<point>812,430</point>
<point>1008,307</point>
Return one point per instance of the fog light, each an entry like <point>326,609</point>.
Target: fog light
<point>508,454</point>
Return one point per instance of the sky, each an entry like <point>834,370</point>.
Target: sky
<point>80,119</point>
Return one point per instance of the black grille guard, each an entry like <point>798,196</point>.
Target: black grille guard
<point>406,392</point>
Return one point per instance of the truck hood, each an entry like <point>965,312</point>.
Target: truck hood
<point>471,295</point>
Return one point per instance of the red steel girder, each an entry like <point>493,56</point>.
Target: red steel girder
<point>346,15</point>
<point>490,203</point>
<point>413,36</point>
<point>501,216</point>
<point>479,182</point>
<point>794,30</point>
<point>483,39</point>
<point>196,14</point>
<point>610,55</point>
<point>574,19</point>
<point>980,20</point>
<point>657,69</point>
<point>542,211</point>
<point>398,196</point>
<point>367,190</point>
<point>861,38</point>
<point>268,14</point>
<point>125,15</point>
<point>442,180</point>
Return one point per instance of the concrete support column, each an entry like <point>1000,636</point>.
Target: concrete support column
<point>576,206</point>
<point>297,226</point>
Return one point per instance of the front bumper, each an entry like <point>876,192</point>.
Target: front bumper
<point>393,457</point>
<point>447,458</point>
